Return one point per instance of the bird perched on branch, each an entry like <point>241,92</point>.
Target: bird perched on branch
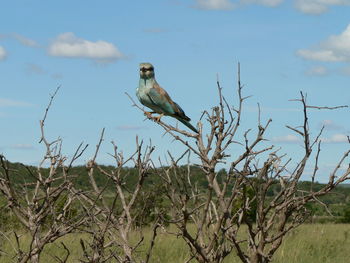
<point>156,98</point>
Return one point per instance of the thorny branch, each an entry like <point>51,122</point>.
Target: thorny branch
<point>35,204</point>
<point>111,230</point>
<point>240,195</point>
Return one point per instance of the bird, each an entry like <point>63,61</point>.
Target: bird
<point>153,96</point>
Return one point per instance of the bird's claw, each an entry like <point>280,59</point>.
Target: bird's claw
<point>157,119</point>
<point>148,114</point>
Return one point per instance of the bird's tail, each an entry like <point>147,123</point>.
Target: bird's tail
<point>188,124</point>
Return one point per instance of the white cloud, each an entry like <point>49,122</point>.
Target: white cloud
<point>316,7</point>
<point>345,71</point>
<point>25,41</point>
<point>317,70</point>
<point>331,125</point>
<point>21,39</point>
<point>22,147</point>
<point>229,5</point>
<point>336,138</point>
<point>312,7</point>
<point>290,138</point>
<point>57,76</point>
<point>3,53</point>
<point>35,69</point>
<point>155,30</point>
<point>335,48</point>
<point>271,3</point>
<point>319,55</point>
<point>70,46</point>
<point>215,4</point>
<point>13,103</point>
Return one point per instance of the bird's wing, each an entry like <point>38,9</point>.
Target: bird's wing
<point>161,98</point>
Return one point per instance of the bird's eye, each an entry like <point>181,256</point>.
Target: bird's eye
<point>146,69</point>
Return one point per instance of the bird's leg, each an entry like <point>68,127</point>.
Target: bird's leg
<point>149,114</point>
<point>157,119</point>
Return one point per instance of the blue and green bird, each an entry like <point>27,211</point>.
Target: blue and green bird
<point>156,98</point>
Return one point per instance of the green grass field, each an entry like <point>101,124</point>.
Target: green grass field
<point>307,244</point>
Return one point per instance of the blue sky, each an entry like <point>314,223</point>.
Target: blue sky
<point>93,49</point>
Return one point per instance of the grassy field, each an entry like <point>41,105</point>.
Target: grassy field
<point>307,244</point>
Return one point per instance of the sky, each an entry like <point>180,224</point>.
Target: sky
<point>92,50</point>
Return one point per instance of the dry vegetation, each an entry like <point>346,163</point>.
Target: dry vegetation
<point>234,219</point>
<point>313,243</point>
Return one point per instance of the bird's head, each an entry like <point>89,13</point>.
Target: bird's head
<point>146,71</point>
